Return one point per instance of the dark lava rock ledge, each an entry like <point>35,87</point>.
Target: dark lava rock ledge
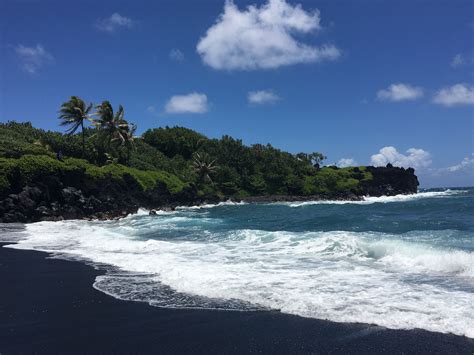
<point>62,196</point>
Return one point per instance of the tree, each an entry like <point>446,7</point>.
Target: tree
<point>113,128</point>
<point>73,113</point>
<point>175,141</point>
<point>109,123</point>
<point>129,139</point>
<point>303,157</point>
<point>203,166</point>
<point>314,159</point>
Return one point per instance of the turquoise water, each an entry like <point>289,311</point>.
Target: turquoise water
<point>402,262</point>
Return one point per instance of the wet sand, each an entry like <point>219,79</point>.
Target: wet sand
<point>49,306</point>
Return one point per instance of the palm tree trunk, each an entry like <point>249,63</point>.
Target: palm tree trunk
<point>83,139</point>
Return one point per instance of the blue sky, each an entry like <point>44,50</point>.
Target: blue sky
<point>364,82</point>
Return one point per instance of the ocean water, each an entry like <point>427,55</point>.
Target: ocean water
<point>401,262</point>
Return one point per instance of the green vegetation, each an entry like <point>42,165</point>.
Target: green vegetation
<point>341,180</point>
<point>31,168</point>
<point>74,113</point>
<point>175,157</point>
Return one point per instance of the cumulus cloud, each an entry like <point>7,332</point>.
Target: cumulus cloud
<point>33,59</point>
<point>345,162</point>
<point>177,55</point>
<point>458,61</point>
<point>400,92</point>
<point>113,23</point>
<point>415,158</point>
<point>262,37</point>
<point>262,97</point>
<point>190,103</point>
<point>467,164</point>
<point>459,94</point>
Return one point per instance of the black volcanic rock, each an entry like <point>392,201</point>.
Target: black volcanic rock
<point>390,181</point>
<point>72,195</point>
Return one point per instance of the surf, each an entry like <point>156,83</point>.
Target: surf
<point>292,261</point>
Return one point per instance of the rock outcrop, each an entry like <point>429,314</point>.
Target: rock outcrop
<point>72,195</point>
<point>390,181</point>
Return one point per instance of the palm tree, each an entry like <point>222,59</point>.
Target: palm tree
<point>204,166</point>
<point>106,122</point>
<point>129,139</point>
<point>113,128</point>
<point>73,113</point>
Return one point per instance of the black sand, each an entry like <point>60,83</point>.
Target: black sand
<point>49,306</point>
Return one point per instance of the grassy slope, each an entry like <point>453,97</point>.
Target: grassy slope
<point>30,168</point>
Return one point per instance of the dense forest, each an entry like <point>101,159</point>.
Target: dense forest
<point>102,147</point>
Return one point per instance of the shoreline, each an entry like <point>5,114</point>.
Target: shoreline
<point>300,198</point>
<point>49,305</point>
<point>167,207</point>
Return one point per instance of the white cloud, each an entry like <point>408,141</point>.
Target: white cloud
<point>151,109</point>
<point>400,92</point>
<point>33,58</point>
<point>177,55</point>
<point>262,37</point>
<point>415,158</point>
<point>345,162</point>
<point>113,23</point>
<point>190,103</point>
<point>467,164</point>
<point>262,97</point>
<point>459,94</point>
<point>458,61</point>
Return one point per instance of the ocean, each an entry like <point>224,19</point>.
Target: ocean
<point>401,262</point>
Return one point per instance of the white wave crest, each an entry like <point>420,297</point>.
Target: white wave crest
<point>204,206</point>
<point>340,276</point>
<point>12,232</point>
<point>368,200</point>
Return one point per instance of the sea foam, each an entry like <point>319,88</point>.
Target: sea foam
<point>212,205</point>
<point>367,200</point>
<point>336,275</point>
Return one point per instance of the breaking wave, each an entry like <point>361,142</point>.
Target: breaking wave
<point>336,275</point>
<point>367,200</point>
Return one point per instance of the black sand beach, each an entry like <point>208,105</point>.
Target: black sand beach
<point>49,306</point>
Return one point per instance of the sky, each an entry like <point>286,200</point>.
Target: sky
<point>364,82</point>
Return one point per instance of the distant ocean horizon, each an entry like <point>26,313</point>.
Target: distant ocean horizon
<point>402,262</point>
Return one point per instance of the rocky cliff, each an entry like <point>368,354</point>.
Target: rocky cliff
<point>390,181</point>
<point>74,195</point>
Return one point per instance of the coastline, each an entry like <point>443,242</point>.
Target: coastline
<point>49,306</point>
<point>118,213</point>
<point>171,206</point>
<point>300,198</point>
<point>70,193</point>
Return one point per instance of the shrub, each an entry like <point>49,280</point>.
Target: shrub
<point>164,156</point>
<point>31,168</point>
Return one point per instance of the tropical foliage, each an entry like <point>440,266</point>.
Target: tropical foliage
<point>74,113</point>
<point>219,167</point>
